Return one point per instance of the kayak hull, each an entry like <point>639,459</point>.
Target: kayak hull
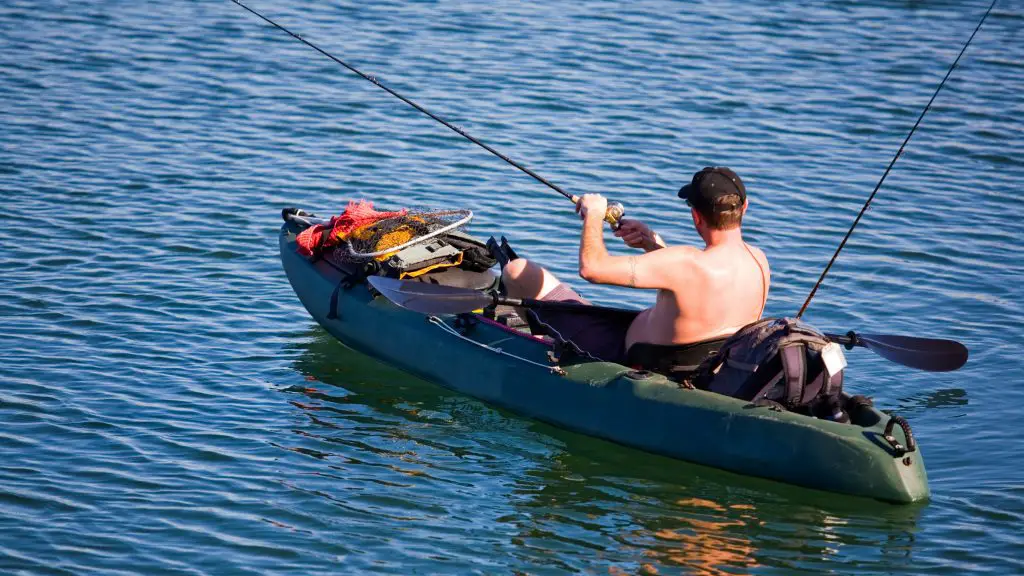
<point>610,401</point>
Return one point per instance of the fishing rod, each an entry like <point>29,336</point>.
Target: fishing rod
<point>894,159</point>
<point>615,210</point>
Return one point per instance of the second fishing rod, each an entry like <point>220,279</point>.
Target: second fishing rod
<point>615,210</point>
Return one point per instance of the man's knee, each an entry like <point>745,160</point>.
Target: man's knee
<point>524,279</point>
<point>515,269</point>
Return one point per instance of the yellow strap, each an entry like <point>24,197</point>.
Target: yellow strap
<point>422,271</point>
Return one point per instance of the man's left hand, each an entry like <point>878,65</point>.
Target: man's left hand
<point>592,204</point>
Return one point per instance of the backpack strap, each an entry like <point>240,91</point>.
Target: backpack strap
<point>831,382</point>
<point>794,370</point>
<point>815,388</point>
<point>741,365</point>
<point>824,385</point>
<point>759,382</point>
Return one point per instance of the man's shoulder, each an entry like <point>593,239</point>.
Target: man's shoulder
<point>674,255</point>
<point>680,251</point>
<point>759,254</point>
<point>756,250</point>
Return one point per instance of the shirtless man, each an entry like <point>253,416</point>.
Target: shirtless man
<point>704,295</point>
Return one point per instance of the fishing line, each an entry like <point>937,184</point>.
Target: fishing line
<point>376,82</point>
<point>894,158</point>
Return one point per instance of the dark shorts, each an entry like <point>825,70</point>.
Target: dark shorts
<point>600,334</point>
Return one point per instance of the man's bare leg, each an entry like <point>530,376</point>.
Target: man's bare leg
<point>524,279</point>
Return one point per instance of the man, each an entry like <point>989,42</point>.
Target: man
<point>704,295</point>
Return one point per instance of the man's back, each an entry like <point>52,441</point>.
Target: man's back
<point>710,293</point>
<point>702,294</point>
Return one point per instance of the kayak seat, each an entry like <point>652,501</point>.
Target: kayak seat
<point>459,278</point>
<point>675,361</point>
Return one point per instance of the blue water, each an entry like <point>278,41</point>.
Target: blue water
<point>167,406</point>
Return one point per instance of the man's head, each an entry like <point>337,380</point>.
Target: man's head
<point>717,195</point>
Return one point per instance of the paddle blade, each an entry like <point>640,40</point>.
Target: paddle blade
<point>430,298</point>
<point>930,354</point>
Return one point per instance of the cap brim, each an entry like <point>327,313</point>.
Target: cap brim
<point>684,192</point>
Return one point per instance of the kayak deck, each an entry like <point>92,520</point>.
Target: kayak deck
<point>504,367</point>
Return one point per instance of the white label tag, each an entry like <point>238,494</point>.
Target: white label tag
<point>832,356</point>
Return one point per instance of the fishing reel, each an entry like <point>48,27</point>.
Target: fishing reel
<point>614,214</point>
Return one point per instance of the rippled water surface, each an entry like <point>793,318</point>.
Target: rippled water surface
<point>169,407</point>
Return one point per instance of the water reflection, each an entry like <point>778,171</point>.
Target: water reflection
<point>652,514</point>
<point>942,398</point>
<point>569,502</point>
<point>711,545</point>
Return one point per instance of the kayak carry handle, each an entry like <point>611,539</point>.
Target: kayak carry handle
<point>899,448</point>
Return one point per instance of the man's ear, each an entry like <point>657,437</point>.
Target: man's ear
<point>697,220</point>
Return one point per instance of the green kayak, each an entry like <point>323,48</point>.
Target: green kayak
<point>484,359</point>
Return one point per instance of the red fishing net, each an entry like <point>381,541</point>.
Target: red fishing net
<point>357,214</point>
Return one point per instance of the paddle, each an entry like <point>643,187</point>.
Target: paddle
<point>930,354</point>
<point>438,299</point>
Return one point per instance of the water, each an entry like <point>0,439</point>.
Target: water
<point>169,407</point>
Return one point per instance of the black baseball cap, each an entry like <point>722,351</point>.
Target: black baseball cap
<point>711,184</point>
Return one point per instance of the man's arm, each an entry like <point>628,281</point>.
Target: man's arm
<point>650,270</point>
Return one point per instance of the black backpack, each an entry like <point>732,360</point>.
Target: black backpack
<point>780,362</point>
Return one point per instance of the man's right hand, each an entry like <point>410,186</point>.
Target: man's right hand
<point>636,234</point>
